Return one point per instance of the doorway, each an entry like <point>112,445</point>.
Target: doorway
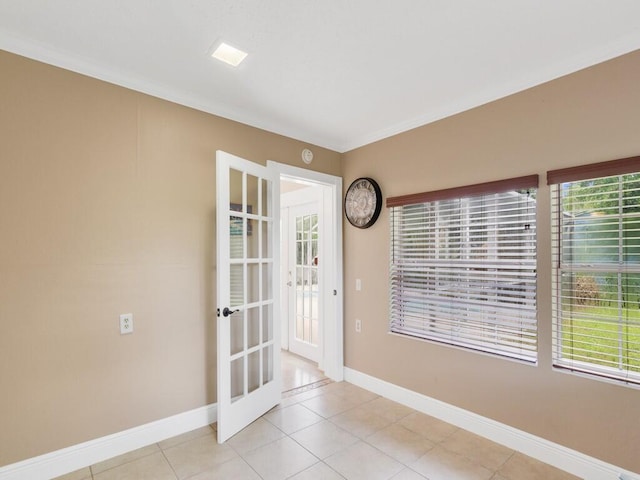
<point>301,235</point>
<point>311,276</point>
<point>299,374</point>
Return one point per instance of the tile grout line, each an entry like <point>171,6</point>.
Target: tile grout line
<point>241,456</point>
<point>123,463</point>
<point>360,439</point>
<point>168,462</point>
<point>288,435</point>
<point>497,472</point>
<point>320,460</point>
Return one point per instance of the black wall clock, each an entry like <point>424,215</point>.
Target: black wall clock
<point>363,202</point>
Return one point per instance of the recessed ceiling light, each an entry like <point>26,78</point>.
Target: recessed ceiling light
<point>228,54</point>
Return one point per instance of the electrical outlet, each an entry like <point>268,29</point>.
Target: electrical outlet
<point>126,323</point>
<point>358,325</point>
<point>358,284</point>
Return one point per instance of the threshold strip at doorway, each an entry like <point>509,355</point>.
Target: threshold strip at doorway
<point>305,388</point>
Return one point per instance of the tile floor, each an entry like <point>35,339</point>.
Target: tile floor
<point>335,431</point>
<point>298,372</point>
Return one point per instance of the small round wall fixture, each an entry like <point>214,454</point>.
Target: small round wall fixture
<point>307,156</point>
<point>363,202</point>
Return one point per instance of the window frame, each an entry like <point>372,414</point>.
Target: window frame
<point>557,179</point>
<point>495,314</point>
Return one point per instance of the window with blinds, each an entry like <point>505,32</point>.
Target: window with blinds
<point>596,269</point>
<point>463,267</point>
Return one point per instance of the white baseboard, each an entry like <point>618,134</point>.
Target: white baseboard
<point>564,458</point>
<point>72,458</point>
<point>69,459</point>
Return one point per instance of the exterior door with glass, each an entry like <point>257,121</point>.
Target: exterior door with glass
<point>303,281</point>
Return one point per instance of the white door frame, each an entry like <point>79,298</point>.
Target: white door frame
<point>332,328</point>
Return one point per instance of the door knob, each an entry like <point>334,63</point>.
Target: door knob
<point>226,311</point>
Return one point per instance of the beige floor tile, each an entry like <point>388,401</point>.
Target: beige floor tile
<point>497,476</point>
<point>485,452</point>
<point>408,474</point>
<point>197,455</point>
<point>319,471</point>
<point>329,404</point>
<point>356,394</point>
<point>388,409</point>
<point>236,469</point>
<point>441,464</point>
<point>177,440</point>
<point>280,459</point>
<point>400,443</point>
<point>522,467</point>
<point>324,439</point>
<point>125,458</point>
<point>256,435</point>
<point>361,461</point>
<point>429,427</point>
<point>335,387</point>
<point>82,474</point>
<point>150,467</point>
<point>293,418</point>
<point>360,422</point>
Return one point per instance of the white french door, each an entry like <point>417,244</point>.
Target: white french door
<point>248,338</point>
<point>303,280</point>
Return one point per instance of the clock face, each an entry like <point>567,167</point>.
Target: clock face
<point>363,202</point>
<point>307,156</point>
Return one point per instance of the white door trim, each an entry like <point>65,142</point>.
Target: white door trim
<point>332,329</point>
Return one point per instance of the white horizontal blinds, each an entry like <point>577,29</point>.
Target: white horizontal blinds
<point>463,270</point>
<point>596,274</point>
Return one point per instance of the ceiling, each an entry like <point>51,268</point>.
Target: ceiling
<point>334,73</point>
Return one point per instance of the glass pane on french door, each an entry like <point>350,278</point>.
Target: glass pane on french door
<point>306,281</point>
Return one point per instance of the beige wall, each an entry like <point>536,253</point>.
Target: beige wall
<point>107,206</point>
<point>590,116</point>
